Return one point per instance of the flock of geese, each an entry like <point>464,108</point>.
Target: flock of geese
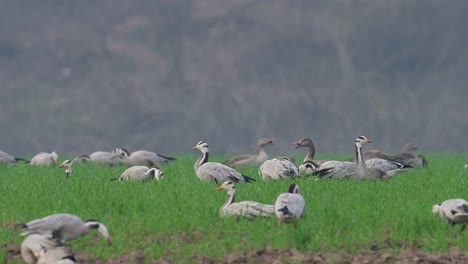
<point>46,236</point>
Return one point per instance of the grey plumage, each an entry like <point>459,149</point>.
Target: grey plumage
<point>278,168</point>
<point>453,211</point>
<point>141,157</point>
<point>64,227</point>
<point>290,206</point>
<point>309,165</point>
<point>141,173</point>
<point>43,249</point>
<point>67,164</point>
<point>214,171</point>
<point>44,159</point>
<point>251,160</point>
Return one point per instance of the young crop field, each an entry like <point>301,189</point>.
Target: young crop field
<point>177,219</point>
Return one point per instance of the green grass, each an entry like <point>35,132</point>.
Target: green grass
<point>178,216</point>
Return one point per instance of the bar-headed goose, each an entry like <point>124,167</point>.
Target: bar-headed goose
<point>99,157</point>
<point>290,206</point>
<point>44,159</point>
<point>64,227</point>
<point>214,171</point>
<point>6,158</point>
<point>278,168</point>
<point>248,209</point>
<point>309,165</point>
<point>453,211</point>
<point>466,165</point>
<point>43,249</point>
<point>141,173</point>
<point>358,170</point>
<point>67,164</point>
<point>251,160</point>
<point>141,157</point>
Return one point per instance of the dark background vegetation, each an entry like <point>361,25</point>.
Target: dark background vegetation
<point>80,76</point>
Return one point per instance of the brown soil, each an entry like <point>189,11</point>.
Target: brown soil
<point>275,256</point>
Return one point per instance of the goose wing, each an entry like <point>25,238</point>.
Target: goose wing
<point>50,224</point>
<point>277,168</point>
<point>250,209</point>
<point>294,203</point>
<point>384,164</point>
<point>218,172</point>
<point>336,169</point>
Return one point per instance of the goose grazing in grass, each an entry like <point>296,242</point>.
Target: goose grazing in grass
<point>141,157</point>
<point>290,206</point>
<point>141,173</point>
<point>278,168</point>
<point>248,209</point>
<point>44,159</point>
<point>453,211</point>
<point>63,227</point>
<point>67,164</point>
<point>251,160</point>
<point>6,158</point>
<point>214,171</point>
<point>357,170</point>
<point>309,165</point>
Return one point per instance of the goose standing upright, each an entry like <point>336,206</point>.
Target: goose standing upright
<point>141,173</point>
<point>67,164</point>
<point>278,168</point>
<point>248,209</point>
<point>358,170</point>
<point>64,227</point>
<point>214,171</point>
<point>309,165</point>
<point>44,159</point>
<point>251,160</point>
<point>453,211</point>
<point>141,157</point>
<point>290,206</point>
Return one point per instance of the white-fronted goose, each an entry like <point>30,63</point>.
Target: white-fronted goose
<point>290,206</point>
<point>251,160</point>
<point>67,164</point>
<point>64,227</point>
<point>44,159</point>
<point>214,171</point>
<point>358,170</point>
<point>141,173</point>
<point>278,168</point>
<point>453,211</point>
<point>248,209</point>
<point>141,157</point>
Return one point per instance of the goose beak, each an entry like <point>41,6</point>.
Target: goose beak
<point>370,141</point>
<point>219,188</point>
<point>297,143</point>
<point>61,166</point>
<point>109,241</point>
<point>271,141</point>
<point>194,147</point>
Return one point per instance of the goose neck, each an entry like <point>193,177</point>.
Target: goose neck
<point>231,197</point>
<point>202,160</point>
<point>310,153</point>
<point>359,157</point>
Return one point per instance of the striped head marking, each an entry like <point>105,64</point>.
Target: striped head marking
<point>293,188</point>
<point>363,140</point>
<point>202,145</point>
<point>227,185</point>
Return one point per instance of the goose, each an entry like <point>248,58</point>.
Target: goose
<point>67,164</point>
<point>357,170</point>
<point>141,157</point>
<point>141,173</point>
<point>248,209</point>
<point>466,165</point>
<point>44,159</point>
<point>453,211</point>
<point>247,160</point>
<point>214,171</point>
<point>64,227</point>
<point>56,255</point>
<point>290,206</point>
<point>309,165</point>
<point>100,157</point>
<point>278,168</point>
<point>32,246</point>
<point>6,158</point>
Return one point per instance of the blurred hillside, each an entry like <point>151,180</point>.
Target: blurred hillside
<point>79,76</point>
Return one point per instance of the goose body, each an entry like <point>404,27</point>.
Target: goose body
<point>358,170</point>
<point>67,165</point>
<point>31,247</point>
<point>214,171</point>
<point>251,160</point>
<point>141,157</point>
<point>466,165</point>
<point>290,206</point>
<point>141,173</point>
<point>6,158</point>
<point>247,209</point>
<point>56,255</point>
<point>278,168</point>
<point>44,159</point>
<point>383,164</point>
<point>64,227</point>
<point>453,211</point>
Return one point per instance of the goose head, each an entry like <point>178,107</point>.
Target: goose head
<point>265,141</point>
<point>436,208</point>
<point>293,188</point>
<point>227,186</point>
<point>409,148</point>
<point>158,174</point>
<point>66,164</point>
<point>361,140</point>
<point>303,142</point>
<point>201,146</point>
<point>55,157</point>
<point>119,153</point>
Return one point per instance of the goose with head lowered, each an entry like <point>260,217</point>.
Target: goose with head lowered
<point>247,209</point>
<point>290,206</point>
<point>247,160</point>
<point>6,158</point>
<point>278,168</point>
<point>67,165</point>
<point>214,171</point>
<point>357,170</point>
<point>141,157</point>
<point>453,211</point>
<point>64,227</point>
<point>141,173</point>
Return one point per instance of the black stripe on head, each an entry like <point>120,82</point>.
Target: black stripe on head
<point>201,142</point>
<point>293,188</point>
<point>126,151</point>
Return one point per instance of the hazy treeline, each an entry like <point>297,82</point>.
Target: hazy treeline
<point>79,76</point>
